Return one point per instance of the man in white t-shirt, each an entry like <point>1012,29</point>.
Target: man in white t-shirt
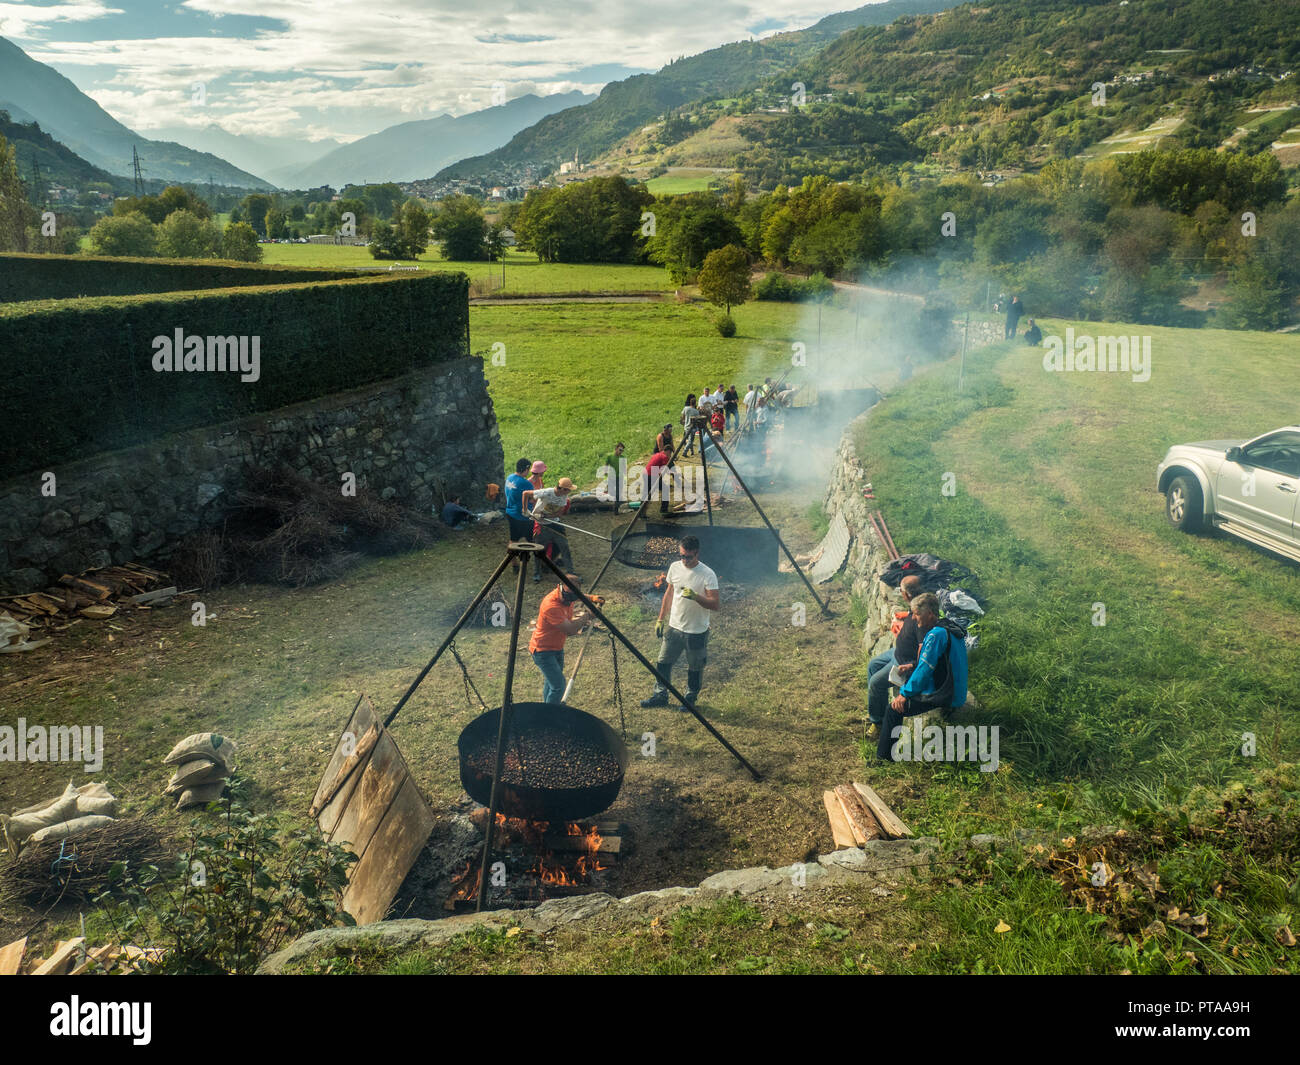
<point>751,404</point>
<point>688,604</point>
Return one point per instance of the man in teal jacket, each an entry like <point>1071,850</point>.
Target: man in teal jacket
<point>939,679</point>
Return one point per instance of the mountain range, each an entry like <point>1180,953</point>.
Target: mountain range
<point>31,91</point>
<point>419,149</point>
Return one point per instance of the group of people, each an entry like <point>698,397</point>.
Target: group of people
<point>927,665</point>
<point>1015,311</point>
<point>532,511</point>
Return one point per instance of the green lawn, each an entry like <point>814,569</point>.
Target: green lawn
<point>523,271</point>
<point>681,179</point>
<point>580,377</point>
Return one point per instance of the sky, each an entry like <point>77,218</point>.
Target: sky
<point>340,69</point>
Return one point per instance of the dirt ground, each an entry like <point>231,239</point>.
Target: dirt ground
<point>278,671</point>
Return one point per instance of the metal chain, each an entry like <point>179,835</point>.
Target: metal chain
<point>469,684</point>
<point>618,686</point>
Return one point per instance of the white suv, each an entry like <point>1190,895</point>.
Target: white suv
<point>1248,488</point>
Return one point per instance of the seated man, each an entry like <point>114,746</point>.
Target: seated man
<point>939,679</point>
<point>907,647</point>
<point>454,514</point>
<point>1033,335</point>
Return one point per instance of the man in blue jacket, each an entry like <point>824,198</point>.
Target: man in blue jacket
<point>939,678</point>
<point>521,526</point>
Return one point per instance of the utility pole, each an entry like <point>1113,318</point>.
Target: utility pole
<point>135,168</point>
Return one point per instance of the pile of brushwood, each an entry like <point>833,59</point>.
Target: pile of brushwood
<point>285,529</point>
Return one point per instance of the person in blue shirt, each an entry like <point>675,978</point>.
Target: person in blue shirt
<point>456,515</point>
<point>521,526</point>
<point>938,680</point>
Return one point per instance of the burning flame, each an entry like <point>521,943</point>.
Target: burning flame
<point>548,868</point>
<point>660,581</point>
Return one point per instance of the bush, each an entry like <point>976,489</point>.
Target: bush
<point>726,325</point>
<point>80,376</point>
<point>775,286</point>
<point>238,892</point>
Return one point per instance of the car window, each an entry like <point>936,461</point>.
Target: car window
<point>1279,453</point>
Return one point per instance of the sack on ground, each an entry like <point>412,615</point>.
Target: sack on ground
<point>196,772</point>
<point>210,745</point>
<point>95,798</point>
<point>33,818</point>
<point>200,795</point>
<point>75,827</point>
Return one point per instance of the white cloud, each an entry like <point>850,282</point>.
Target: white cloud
<point>365,64</point>
<point>20,20</point>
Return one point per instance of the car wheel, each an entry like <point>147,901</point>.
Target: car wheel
<point>1184,504</point>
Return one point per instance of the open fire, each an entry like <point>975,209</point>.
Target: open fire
<point>538,861</point>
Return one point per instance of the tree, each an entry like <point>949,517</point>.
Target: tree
<point>129,234</point>
<point>460,228</point>
<point>414,220</point>
<point>253,209</point>
<point>275,224</point>
<point>724,278</point>
<point>240,243</point>
<point>184,235</point>
<point>13,202</point>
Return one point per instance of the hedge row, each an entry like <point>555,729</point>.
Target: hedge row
<point>59,277</point>
<point>79,375</point>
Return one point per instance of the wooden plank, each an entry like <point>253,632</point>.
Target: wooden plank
<point>380,779</point>
<point>839,826</point>
<point>152,597</point>
<point>350,764</point>
<point>578,844</point>
<point>11,957</point>
<point>860,819</point>
<point>393,849</point>
<point>98,612</point>
<point>361,718</point>
<point>889,821</point>
<point>62,959</point>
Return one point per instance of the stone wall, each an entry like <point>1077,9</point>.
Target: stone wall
<point>408,439</point>
<point>867,556</point>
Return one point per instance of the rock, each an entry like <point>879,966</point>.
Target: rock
<point>880,854</point>
<point>665,898</point>
<point>745,881</point>
<point>206,493</point>
<point>55,522</point>
<point>556,912</point>
<point>119,526</point>
<point>91,512</point>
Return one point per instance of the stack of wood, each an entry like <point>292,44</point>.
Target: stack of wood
<point>858,814</point>
<point>71,958</point>
<point>95,594</point>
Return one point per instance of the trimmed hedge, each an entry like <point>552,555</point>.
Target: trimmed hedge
<point>79,377</point>
<point>59,277</point>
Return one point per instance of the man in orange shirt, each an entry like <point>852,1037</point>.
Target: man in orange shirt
<point>555,624</point>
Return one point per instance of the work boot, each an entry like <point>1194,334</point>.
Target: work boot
<point>659,698</point>
<point>693,678</point>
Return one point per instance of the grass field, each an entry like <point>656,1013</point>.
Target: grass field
<point>1137,723</point>
<point>523,271</point>
<point>680,179</point>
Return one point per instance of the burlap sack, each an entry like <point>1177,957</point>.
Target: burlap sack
<point>95,798</point>
<point>32,819</point>
<point>70,828</point>
<point>200,795</point>
<point>210,745</point>
<point>195,772</point>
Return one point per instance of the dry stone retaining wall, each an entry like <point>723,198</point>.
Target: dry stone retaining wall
<point>409,439</point>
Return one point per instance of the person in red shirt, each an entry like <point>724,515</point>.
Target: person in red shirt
<point>555,624</point>
<point>717,421</point>
<point>658,480</point>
